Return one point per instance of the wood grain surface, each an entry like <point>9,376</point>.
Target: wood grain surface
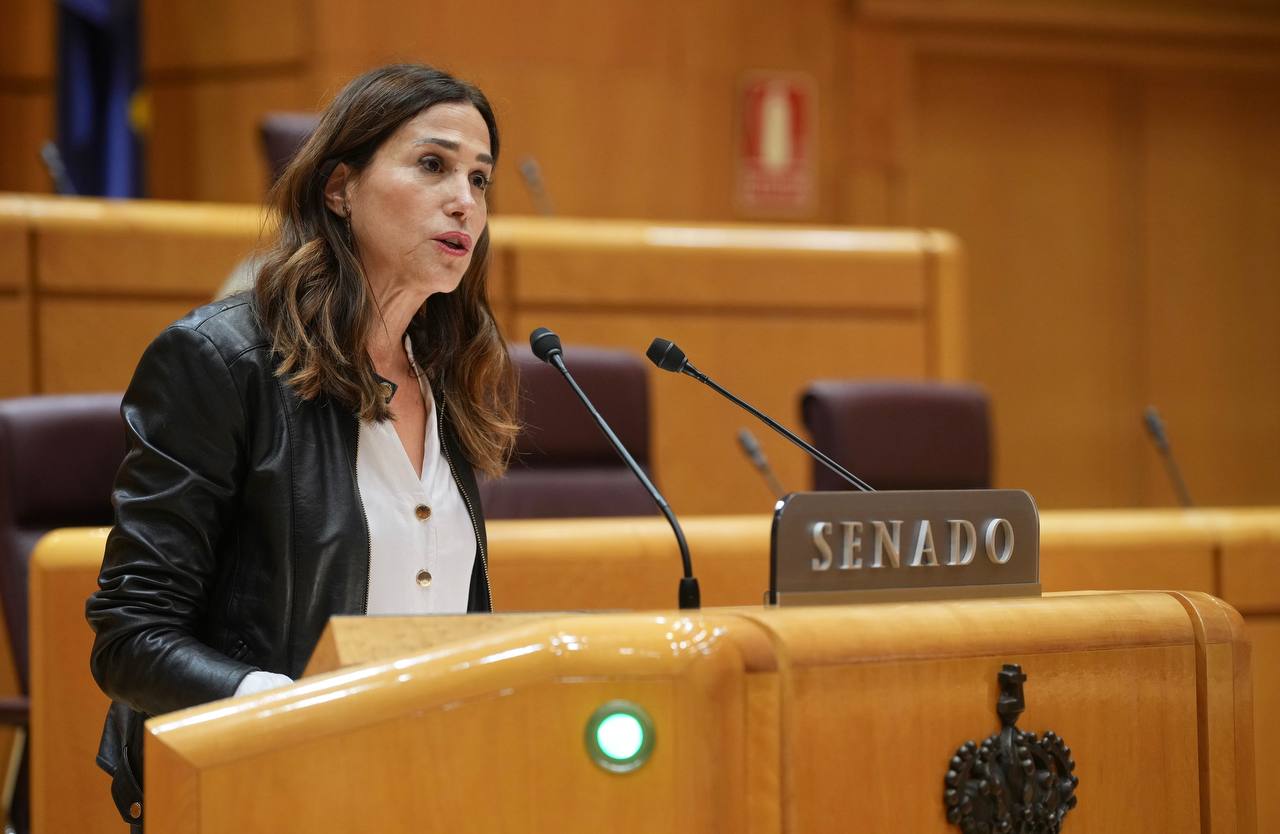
<point>558,565</point>
<point>870,703</point>
<point>69,792</point>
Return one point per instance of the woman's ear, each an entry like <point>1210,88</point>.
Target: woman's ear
<point>335,190</point>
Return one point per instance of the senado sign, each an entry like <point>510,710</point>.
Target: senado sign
<point>834,547</point>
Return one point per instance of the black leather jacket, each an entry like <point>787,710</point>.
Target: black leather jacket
<point>239,529</point>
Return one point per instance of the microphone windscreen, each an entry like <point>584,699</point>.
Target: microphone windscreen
<point>666,355</point>
<point>1155,426</point>
<point>750,446</point>
<point>544,343</point>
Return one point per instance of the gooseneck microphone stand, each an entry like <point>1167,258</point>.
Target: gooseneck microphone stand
<point>668,356</point>
<point>546,346</point>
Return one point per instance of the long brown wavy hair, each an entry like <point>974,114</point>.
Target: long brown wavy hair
<point>314,300</point>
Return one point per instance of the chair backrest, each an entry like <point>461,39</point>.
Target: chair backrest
<point>900,435</point>
<point>282,134</point>
<point>58,460</point>
<point>564,466</point>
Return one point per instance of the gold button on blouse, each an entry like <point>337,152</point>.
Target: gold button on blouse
<point>135,810</point>
<point>424,578</point>
<point>422,511</point>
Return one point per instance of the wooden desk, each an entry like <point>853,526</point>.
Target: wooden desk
<point>633,563</point>
<point>767,720</point>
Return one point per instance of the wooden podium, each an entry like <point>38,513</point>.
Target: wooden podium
<point>817,719</point>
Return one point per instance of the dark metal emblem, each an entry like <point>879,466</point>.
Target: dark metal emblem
<point>1012,783</point>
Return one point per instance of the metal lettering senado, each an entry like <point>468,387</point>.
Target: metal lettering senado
<point>851,543</point>
<point>958,539</point>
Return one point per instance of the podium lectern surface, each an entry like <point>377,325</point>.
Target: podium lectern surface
<point>800,720</point>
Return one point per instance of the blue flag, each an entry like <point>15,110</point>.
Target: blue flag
<point>99,76</point>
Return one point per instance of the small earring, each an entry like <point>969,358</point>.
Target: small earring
<point>346,216</point>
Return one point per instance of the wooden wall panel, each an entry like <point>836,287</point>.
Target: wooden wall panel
<point>647,139</point>
<point>1115,194</point>
<point>214,70</point>
<point>1239,18</point>
<point>1211,250</point>
<point>95,343</point>
<point>15,346</point>
<point>1264,635</point>
<point>204,141</point>
<point>946,307</point>
<point>1251,578</point>
<point>1160,714</point>
<point>183,37</point>
<point>15,263</point>
<point>1030,165</point>
<point>27,40</point>
<point>763,281</point>
<point>26,114</point>
<point>69,792</point>
<point>15,300</point>
<point>628,107</point>
<point>873,103</point>
<point>554,564</point>
<point>26,92</point>
<point>141,248</point>
<point>1188,567</point>
<point>664,34</point>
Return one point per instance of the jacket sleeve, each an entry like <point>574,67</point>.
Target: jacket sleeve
<point>174,498</point>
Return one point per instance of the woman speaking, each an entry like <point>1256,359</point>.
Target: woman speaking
<point>308,449</point>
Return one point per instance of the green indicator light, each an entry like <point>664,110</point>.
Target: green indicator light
<point>620,736</point>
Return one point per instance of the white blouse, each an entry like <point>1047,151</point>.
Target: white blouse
<point>422,545</point>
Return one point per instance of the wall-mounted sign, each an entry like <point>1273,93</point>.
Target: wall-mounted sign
<point>842,547</point>
<point>776,147</point>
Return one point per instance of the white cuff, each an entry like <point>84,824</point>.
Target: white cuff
<point>255,682</point>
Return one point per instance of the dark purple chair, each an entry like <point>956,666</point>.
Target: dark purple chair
<point>564,466</point>
<point>282,134</point>
<point>58,460</point>
<point>900,435</point>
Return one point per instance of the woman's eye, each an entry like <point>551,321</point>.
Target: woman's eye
<point>432,164</point>
<point>480,181</point>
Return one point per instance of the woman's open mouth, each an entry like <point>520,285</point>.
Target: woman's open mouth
<point>454,243</point>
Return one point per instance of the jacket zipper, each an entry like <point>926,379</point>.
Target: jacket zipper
<point>368,538</point>
<point>475,526</point>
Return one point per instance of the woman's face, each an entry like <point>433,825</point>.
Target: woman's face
<point>418,207</point>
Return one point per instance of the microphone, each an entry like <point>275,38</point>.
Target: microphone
<point>751,448</point>
<point>1155,429</point>
<point>531,173</point>
<point>668,357</point>
<point>57,170</point>
<point>546,346</point>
